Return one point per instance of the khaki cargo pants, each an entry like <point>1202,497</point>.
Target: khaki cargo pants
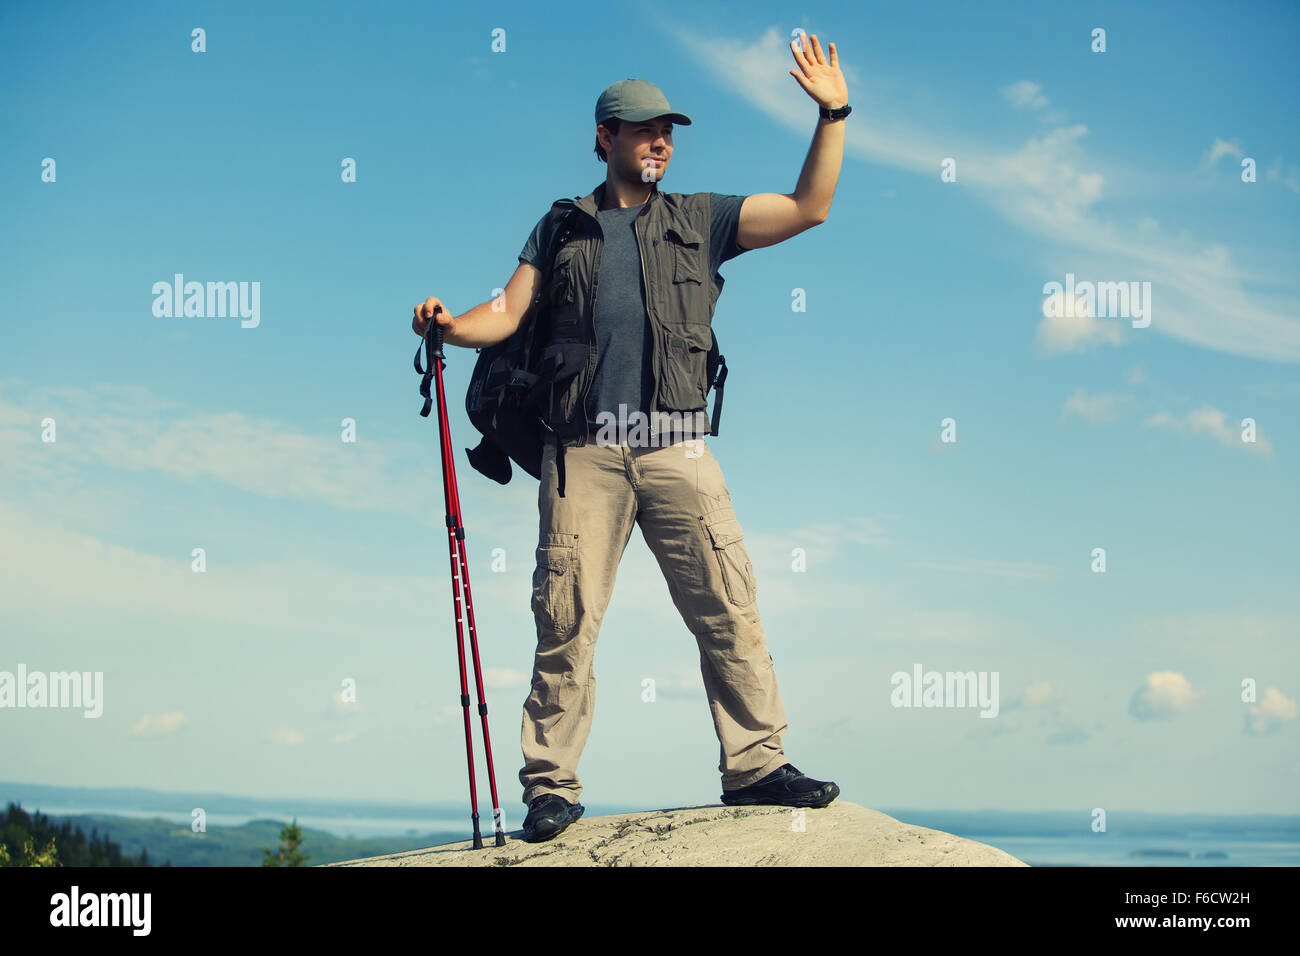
<point>677,495</point>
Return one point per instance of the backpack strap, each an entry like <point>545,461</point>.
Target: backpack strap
<point>559,464</point>
<point>563,230</point>
<point>559,236</point>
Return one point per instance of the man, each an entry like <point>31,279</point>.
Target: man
<point>632,292</point>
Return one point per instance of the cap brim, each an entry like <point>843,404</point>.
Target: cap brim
<point>637,116</point>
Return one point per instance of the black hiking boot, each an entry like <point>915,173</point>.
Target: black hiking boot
<point>548,815</point>
<point>786,787</point>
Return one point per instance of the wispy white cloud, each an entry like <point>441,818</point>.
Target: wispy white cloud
<point>342,708</point>
<point>1025,95</point>
<point>1286,174</point>
<point>1073,329</point>
<point>158,725</point>
<point>132,429</point>
<point>79,570</point>
<point>827,538</point>
<point>1042,706</point>
<point>1279,171</point>
<point>1049,187</point>
<point>1208,420</point>
<point>1270,714</point>
<point>1097,409</point>
<point>1041,693</point>
<point>1222,148</point>
<point>59,500</point>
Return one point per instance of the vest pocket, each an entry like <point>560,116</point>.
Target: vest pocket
<point>688,254</point>
<point>731,556</point>
<point>685,368</point>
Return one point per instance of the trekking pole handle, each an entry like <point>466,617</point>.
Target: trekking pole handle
<point>437,331</point>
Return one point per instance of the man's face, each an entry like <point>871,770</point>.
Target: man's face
<point>647,145</point>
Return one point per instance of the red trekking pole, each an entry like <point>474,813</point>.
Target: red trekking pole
<point>434,361</point>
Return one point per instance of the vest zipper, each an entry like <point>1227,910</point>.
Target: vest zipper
<point>595,281</point>
<point>654,323</point>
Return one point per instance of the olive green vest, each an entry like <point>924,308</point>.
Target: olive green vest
<point>672,232</point>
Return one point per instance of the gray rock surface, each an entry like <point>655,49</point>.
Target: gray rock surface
<point>842,834</point>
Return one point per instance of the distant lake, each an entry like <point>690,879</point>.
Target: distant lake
<point>1139,840</point>
<point>1112,850</point>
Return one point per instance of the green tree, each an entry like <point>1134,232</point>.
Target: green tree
<point>290,852</point>
<point>63,845</point>
<point>30,856</point>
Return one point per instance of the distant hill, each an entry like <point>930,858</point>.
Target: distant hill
<point>37,795</point>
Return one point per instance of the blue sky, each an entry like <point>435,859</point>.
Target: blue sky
<point>925,301</point>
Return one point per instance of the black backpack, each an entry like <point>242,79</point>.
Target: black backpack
<point>511,378</point>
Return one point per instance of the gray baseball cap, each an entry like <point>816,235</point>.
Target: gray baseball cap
<point>634,101</point>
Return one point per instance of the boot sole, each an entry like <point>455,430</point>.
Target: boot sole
<point>551,828</point>
<point>815,800</point>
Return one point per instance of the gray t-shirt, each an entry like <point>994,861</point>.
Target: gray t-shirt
<point>623,367</point>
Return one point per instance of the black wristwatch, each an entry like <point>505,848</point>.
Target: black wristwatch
<point>835,114</point>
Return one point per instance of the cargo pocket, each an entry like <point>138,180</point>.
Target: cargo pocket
<point>733,560</point>
<point>555,583</point>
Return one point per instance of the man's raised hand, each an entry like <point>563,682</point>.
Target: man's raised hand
<point>820,77</point>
